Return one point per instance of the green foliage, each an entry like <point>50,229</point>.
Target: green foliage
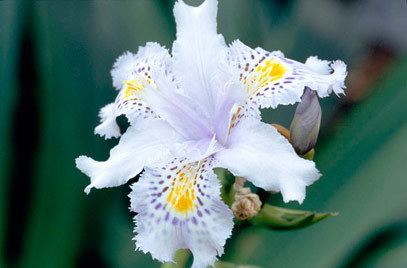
<point>10,35</point>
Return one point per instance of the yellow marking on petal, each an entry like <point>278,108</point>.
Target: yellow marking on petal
<point>133,87</point>
<point>182,194</point>
<point>265,73</point>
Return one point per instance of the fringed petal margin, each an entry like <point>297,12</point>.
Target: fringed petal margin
<point>179,206</point>
<point>270,79</point>
<point>146,144</point>
<point>259,153</point>
<point>131,73</point>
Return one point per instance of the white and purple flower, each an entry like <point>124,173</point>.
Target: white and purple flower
<point>195,110</point>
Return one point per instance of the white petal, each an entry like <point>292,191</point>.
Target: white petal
<point>131,73</point>
<point>127,65</point>
<point>317,65</point>
<point>228,100</point>
<point>339,72</point>
<point>123,68</point>
<point>178,207</point>
<point>197,52</point>
<point>177,110</point>
<point>108,127</point>
<point>146,144</point>
<point>270,79</point>
<point>259,153</point>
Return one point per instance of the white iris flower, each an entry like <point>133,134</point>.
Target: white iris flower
<point>195,110</point>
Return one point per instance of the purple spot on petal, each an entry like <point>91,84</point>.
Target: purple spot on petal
<point>199,200</point>
<point>215,210</point>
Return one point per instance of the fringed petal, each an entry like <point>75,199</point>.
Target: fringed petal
<point>270,79</point>
<point>146,144</point>
<point>197,53</point>
<point>108,127</point>
<point>131,73</point>
<point>259,153</point>
<point>178,206</point>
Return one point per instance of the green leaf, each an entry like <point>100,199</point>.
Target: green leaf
<point>12,18</point>
<point>278,218</point>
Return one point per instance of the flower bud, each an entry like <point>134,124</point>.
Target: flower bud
<point>246,206</point>
<point>304,128</point>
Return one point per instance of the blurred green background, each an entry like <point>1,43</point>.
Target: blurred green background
<point>55,59</point>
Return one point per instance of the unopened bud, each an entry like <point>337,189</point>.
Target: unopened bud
<point>304,128</point>
<point>246,206</point>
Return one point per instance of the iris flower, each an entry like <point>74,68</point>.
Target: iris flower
<point>195,110</point>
